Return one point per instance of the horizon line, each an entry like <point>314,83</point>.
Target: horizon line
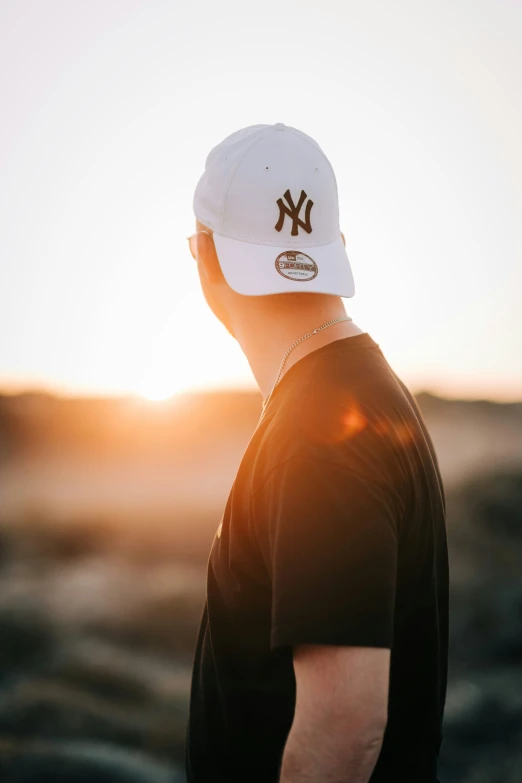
<point>64,393</point>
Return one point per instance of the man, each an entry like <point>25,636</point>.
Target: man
<point>322,652</point>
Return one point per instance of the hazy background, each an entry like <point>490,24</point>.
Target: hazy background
<point>125,407</point>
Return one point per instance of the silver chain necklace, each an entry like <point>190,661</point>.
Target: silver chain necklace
<point>294,345</point>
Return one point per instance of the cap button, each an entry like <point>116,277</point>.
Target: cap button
<point>279,126</point>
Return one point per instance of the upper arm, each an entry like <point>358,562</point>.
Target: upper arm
<point>345,685</point>
<point>331,550</point>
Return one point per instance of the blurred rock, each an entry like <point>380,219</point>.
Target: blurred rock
<point>483,722</point>
<point>80,763</point>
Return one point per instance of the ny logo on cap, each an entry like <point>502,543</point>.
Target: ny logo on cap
<point>293,212</point>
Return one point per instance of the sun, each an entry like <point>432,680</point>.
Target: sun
<point>157,396</point>
<point>158,392</point>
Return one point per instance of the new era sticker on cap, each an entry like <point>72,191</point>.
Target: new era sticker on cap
<point>296,266</point>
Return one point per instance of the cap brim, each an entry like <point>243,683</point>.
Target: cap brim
<point>251,269</point>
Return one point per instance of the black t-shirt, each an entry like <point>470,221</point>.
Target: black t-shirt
<point>333,533</point>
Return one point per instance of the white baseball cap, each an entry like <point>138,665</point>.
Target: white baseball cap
<point>270,197</point>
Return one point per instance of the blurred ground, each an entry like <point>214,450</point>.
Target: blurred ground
<point>107,512</point>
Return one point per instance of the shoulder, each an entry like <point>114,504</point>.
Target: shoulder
<point>329,425</point>
<point>347,432</point>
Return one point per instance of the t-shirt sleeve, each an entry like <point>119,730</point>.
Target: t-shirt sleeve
<point>329,538</point>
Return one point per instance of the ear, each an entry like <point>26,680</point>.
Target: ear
<point>207,258</point>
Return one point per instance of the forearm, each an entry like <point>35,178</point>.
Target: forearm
<point>318,752</point>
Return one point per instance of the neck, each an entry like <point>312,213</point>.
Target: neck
<point>266,333</point>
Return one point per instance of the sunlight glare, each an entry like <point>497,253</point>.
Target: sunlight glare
<point>157,393</point>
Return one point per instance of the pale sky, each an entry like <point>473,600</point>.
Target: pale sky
<point>109,108</point>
